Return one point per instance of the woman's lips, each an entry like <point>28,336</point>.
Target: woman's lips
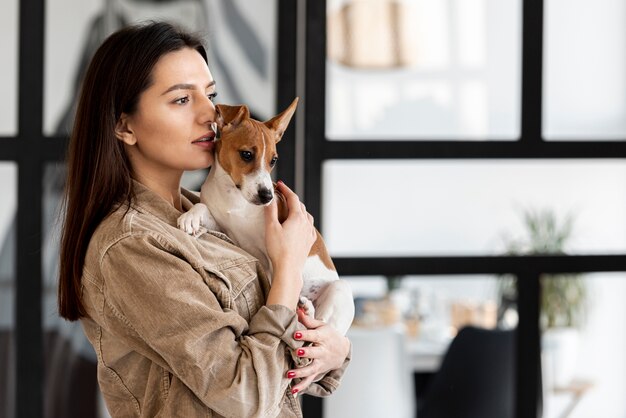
<point>209,135</point>
<point>205,144</point>
<point>207,140</point>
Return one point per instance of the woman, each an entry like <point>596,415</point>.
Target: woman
<point>182,326</point>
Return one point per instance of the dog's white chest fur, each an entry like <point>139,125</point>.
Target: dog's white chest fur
<point>242,221</point>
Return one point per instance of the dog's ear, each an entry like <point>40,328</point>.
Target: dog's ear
<point>279,123</point>
<point>231,115</point>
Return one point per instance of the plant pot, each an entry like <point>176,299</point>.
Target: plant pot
<point>560,347</point>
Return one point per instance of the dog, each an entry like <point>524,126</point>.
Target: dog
<point>232,198</point>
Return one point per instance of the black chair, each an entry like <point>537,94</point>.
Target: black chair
<point>476,378</point>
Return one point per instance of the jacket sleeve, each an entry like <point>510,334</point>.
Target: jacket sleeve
<point>162,307</point>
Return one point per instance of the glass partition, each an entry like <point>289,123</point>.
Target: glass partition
<point>8,207</point>
<point>431,307</point>
<point>8,71</point>
<point>476,207</point>
<point>69,40</point>
<point>69,357</point>
<point>585,67</point>
<point>417,69</point>
<point>416,333</point>
<point>583,343</point>
<point>240,39</point>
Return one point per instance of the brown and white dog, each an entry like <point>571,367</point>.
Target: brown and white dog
<point>233,196</point>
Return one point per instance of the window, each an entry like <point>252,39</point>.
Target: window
<point>424,164</point>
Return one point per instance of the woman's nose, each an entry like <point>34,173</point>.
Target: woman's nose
<point>207,112</point>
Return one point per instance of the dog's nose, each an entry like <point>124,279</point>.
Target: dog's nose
<point>265,195</point>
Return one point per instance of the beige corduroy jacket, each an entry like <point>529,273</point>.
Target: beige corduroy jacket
<point>179,323</point>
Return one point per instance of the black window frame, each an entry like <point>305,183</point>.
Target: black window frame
<point>30,150</point>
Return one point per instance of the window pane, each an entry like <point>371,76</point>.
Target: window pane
<point>419,69</point>
<point>441,304</point>
<point>8,205</point>
<point>578,358</point>
<point>67,46</point>
<point>403,328</point>
<point>71,387</point>
<point>451,207</point>
<point>8,70</point>
<point>585,87</point>
<point>243,61</point>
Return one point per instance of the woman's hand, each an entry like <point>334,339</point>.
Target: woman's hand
<point>328,351</point>
<point>288,245</point>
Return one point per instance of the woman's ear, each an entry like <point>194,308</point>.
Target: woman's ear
<point>124,132</point>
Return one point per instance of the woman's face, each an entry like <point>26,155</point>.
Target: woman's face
<point>167,133</point>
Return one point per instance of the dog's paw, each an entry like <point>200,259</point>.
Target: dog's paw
<point>307,306</point>
<point>196,220</point>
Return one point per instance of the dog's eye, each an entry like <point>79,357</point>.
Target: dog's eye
<point>273,161</point>
<point>246,155</point>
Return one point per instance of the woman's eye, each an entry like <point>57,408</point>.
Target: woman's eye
<point>246,156</point>
<point>212,96</point>
<point>273,161</point>
<point>182,100</point>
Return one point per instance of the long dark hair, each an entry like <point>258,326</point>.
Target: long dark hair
<point>98,169</point>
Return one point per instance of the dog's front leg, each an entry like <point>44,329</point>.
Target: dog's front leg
<point>335,305</point>
<point>196,218</point>
<point>307,306</point>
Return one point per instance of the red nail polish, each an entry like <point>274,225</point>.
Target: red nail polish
<point>297,335</point>
<point>294,391</point>
<point>291,375</point>
<point>300,352</point>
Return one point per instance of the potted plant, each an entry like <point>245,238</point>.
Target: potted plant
<point>564,297</point>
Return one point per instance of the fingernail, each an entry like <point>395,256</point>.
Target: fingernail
<point>300,352</point>
<point>281,182</point>
<point>291,375</point>
<point>294,392</point>
<point>297,335</point>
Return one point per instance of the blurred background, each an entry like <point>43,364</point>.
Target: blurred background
<point>464,160</point>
